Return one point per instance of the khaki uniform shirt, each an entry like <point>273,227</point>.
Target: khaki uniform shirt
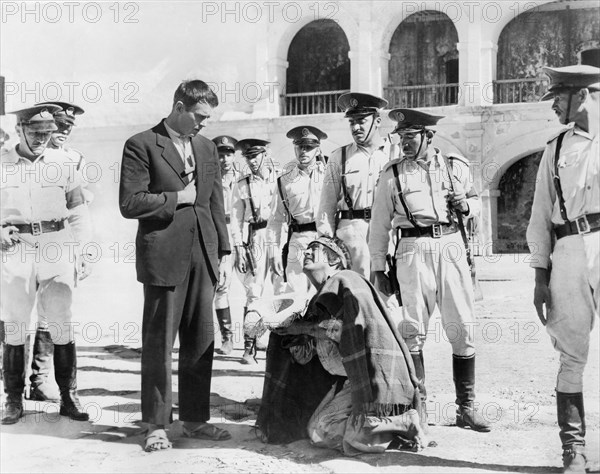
<point>578,169</point>
<point>362,173</point>
<point>302,192</point>
<point>262,190</point>
<point>425,188</point>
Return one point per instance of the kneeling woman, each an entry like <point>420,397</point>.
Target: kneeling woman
<point>349,382</point>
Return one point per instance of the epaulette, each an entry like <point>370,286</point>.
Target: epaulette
<point>555,135</point>
<point>390,163</point>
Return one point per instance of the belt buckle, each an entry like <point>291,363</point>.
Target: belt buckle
<point>583,226</point>
<point>436,231</point>
<point>367,213</point>
<point>36,228</point>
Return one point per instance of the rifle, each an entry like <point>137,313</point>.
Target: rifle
<point>250,260</point>
<point>458,218</point>
<point>393,277</point>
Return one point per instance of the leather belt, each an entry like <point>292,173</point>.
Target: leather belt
<point>227,219</point>
<point>435,231</point>
<point>39,227</point>
<point>309,226</point>
<point>582,225</point>
<point>356,214</point>
<point>258,225</point>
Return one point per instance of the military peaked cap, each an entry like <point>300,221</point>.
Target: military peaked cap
<point>359,104</point>
<point>413,120</point>
<point>571,78</point>
<point>67,113</point>
<point>306,135</point>
<point>38,117</point>
<point>251,147</point>
<point>225,142</point>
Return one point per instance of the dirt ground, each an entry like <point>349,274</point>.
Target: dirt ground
<point>516,370</point>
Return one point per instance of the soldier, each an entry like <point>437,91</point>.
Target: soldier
<point>41,389</point>
<point>296,203</point>
<point>566,207</point>
<point>422,196</point>
<point>252,198</point>
<point>351,177</point>
<point>65,120</point>
<point>226,149</point>
<point>40,191</point>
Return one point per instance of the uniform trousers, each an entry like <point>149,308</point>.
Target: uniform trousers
<point>46,271</point>
<point>575,294</point>
<point>186,309</point>
<point>222,292</point>
<point>355,234</point>
<point>435,271</point>
<point>255,284</point>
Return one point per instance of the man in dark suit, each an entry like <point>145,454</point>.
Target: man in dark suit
<point>171,183</point>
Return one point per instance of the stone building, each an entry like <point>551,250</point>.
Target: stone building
<point>276,65</point>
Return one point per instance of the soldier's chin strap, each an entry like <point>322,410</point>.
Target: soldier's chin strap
<point>569,106</point>
<point>423,134</point>
<point>370,128</point>
<point>27,148</point>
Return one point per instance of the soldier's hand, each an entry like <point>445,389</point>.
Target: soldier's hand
<point>541,297</point>
<point>84,268</point>
<point>382,283</point>
<point>458,200</point>
<point>240,260</point>
<point>277,264</point>
<point>188,195</point>
<point>9,237</point>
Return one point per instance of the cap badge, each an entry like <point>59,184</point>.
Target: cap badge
<point>70,111</point>
<point>400,117</point>
<point>45,114</point>
<point>224,141</point>
<point>354,102</point>
<point>305,132</point>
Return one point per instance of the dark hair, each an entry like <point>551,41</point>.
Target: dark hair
<point>189,93</point>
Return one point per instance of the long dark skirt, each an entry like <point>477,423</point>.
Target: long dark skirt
<point>291,392</point>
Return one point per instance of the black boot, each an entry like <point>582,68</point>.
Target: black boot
<point>65,371</point>
<point>43,350</point>
<point>463,369</point>
<point>224,318</point>
<point>249,357</point>
<point>571,421</point>
<point>419,363</point>
<point>13,372</point>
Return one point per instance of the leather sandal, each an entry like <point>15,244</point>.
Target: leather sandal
<point>156,440</point>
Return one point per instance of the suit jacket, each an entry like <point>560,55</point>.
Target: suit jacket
<point>152,172</point>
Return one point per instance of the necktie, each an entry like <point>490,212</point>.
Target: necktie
<point>188,160</point>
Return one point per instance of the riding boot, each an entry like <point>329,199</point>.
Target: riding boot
<point>65,372</point>
<point>419,363</point>
<point>571,421</point>
<point>43,349</point>
<point>463,369</point>
<point>224,318</point>
<point>13,373</point>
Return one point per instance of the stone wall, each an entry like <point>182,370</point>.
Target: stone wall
<point>545,38</point>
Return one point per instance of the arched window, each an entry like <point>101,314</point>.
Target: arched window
<point>516,187</point>
<point>423,69</point>
<point>319,69</point>
<point>544,36</point>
